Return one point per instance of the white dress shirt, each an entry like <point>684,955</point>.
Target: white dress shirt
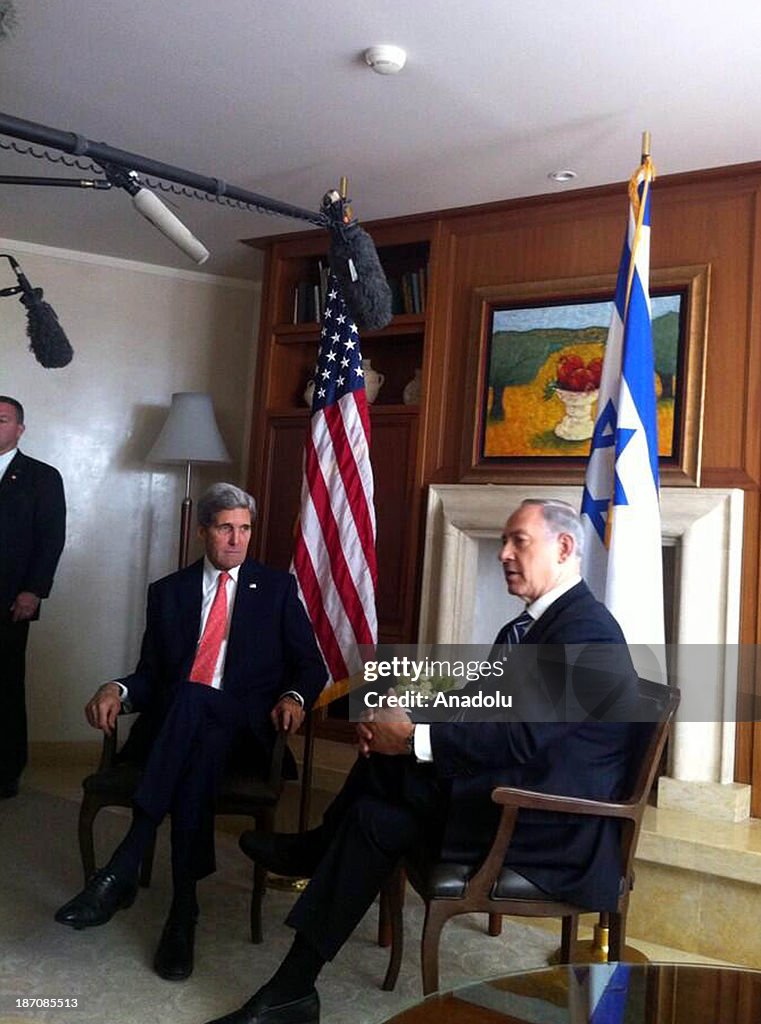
<point>5,460</point>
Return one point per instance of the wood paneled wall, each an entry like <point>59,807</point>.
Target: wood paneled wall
<point>702,218</point>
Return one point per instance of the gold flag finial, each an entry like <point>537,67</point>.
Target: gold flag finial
<point>343,188</point>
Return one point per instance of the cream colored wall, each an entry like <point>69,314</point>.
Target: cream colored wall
<point>139,333</point>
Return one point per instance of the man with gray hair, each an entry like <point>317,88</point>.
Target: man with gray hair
<point>228,657</point>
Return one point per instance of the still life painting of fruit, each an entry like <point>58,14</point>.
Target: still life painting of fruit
<point>543,369</point>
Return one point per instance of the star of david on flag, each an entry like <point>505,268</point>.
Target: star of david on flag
<point>620,506</point>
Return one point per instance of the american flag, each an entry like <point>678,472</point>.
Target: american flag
<point>334,557</point>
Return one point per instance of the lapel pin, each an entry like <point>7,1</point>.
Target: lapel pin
<point>252,586</point>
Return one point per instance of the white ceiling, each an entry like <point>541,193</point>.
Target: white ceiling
<point>272,96</point>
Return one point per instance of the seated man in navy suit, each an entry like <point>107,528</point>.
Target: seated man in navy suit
<point>228,657</point>
<point>428,785</point>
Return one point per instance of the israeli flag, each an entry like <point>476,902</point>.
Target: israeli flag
<point>598,993</point>
<point>620,508</point>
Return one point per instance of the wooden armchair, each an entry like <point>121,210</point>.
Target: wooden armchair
<point>113,785</point>
<point>449,889</point>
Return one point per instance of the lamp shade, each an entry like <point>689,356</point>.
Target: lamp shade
<point>190,433</point>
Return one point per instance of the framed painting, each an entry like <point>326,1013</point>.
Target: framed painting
<point>536,354</point>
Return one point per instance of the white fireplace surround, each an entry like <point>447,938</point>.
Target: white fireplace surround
<point>464,598</point>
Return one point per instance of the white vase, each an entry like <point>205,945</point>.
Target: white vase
<point>373,381</point>
<point>577,423</point>
<point>412,390</point>
<point>309,392</point>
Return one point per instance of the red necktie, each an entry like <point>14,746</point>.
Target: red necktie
<point>207,652</point>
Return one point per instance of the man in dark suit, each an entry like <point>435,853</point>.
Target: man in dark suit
<point>428,785</point>
<point>228,657</point>
<point>32,532</point>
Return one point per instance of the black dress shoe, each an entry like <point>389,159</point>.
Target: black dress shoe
<point>174,955</point>
<point>104,894</point>
<point>295,854</point>
<point>258,1010</point>
<point>8,789</point>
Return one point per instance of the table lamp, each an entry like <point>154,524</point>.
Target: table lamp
<point>190,434</point>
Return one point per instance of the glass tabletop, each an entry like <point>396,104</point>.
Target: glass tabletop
<point>600,994</point>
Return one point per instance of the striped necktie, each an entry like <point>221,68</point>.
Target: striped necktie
<point>516,630</point>
<point>207,652</point>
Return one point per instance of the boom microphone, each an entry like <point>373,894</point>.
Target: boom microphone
<point>47,340</point>
<point>354,260</point>
<point>150,206</point>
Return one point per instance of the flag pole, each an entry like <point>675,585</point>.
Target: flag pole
<point>334,558</point>
<point>596,950</point>
<point>307,764</point>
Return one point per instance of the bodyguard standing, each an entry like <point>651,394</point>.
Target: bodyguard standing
<point>32,532</point>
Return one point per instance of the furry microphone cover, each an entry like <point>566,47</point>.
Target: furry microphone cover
<point>47,340</point>
<point>354,260</point>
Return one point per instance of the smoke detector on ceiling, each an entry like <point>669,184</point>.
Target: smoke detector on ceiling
<point>385,59</point>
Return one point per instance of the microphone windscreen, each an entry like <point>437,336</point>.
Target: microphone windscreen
<point>354,260</point>
<point>150,206</point>
<point>47,340</point>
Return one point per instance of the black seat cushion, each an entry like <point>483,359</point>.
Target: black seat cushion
<point>444,880</point>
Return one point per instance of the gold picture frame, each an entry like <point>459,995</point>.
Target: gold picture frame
<point>533,447</point>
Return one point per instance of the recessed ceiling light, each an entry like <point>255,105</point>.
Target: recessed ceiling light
<point>385,59</point>
<point>562,177</point>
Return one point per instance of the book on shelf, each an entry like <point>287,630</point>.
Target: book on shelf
<point>415,289</point>
<point>397,298</point>
<point>307,302</point>
<point>309,295</point>
<point>408,293</point>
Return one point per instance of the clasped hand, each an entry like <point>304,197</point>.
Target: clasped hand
<point>25,606</point>
<point>384,730</point>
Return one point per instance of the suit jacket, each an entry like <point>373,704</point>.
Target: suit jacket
<point>32,529</point>
<point>569,754</point>
<point>271,648</point>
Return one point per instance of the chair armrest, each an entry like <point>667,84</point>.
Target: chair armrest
<point>511,800</point>
<point>111,745</point>
<point>509,796</point>
<point>108,750</point>
<point>276,762</point>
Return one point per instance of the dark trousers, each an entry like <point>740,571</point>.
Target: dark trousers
<point>387,807</point>
<point>184,770</point>
<point>13,742</point>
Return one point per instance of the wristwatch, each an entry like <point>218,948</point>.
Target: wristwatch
<point>410,741</point>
